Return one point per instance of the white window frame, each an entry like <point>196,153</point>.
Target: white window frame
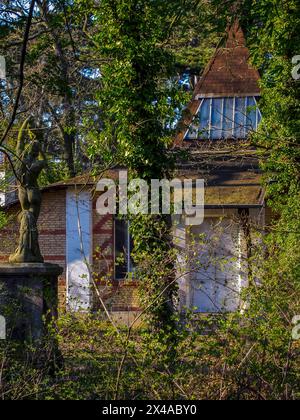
<point>245,131</point>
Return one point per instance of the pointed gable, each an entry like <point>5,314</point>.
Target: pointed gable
<point>229,77</point>
<point>229,72</point>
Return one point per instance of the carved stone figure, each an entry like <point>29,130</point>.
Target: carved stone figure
<point>28,169</point>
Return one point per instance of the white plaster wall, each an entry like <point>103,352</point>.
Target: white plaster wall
<point>79,249</point>
<point>182,270</point>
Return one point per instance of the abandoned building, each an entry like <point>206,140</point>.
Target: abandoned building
<point>222,114</point>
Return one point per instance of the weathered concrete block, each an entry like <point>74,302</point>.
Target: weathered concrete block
<point>28,294</point>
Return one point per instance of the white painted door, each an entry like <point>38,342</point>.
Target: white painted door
<point>79,249</point>
<point>216,279</point>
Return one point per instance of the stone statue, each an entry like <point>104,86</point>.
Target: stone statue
<point>28,169</point>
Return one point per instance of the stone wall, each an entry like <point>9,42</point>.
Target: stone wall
<point>119,296</point>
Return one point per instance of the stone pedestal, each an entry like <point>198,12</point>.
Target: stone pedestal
<point>28,295</point>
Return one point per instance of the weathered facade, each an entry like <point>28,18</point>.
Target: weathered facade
<point>215,130</point>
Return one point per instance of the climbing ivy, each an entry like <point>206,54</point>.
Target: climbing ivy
<point>138,100</point>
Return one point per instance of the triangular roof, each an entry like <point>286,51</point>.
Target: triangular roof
<point>228,74</point>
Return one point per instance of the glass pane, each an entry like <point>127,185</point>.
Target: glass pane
<point>251,123</point>
<point>228,118</point>
<point>121,248</point>
<point>258,115</point>
<point>225,118</point>
<point>216,119</point>
<point>204,115</point>
<point>124,266</point>
<point>131,266</point>
<point>193,132</point>
<point>240,118</point>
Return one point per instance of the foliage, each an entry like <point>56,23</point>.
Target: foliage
<point>93,352</point>
<point>274,43</point>
<point>138,101</point>
<point>57,89</point>
<point>3,219</point>
<point>139,47</point>
<point>263,355</point>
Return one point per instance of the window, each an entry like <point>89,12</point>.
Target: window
<point>124,267</point>
<point>225,118</point>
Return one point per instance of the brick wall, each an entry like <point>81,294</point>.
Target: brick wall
<point>117,295</point>
<point>9,234</point>
<point>52,228</point>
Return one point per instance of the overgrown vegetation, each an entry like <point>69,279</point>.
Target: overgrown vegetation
<point>125,118</point>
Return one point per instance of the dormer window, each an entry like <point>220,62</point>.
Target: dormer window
<point>225,118</point>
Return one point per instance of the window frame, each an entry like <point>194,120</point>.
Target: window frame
<point>231,130</point>
<point>128,263</point>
